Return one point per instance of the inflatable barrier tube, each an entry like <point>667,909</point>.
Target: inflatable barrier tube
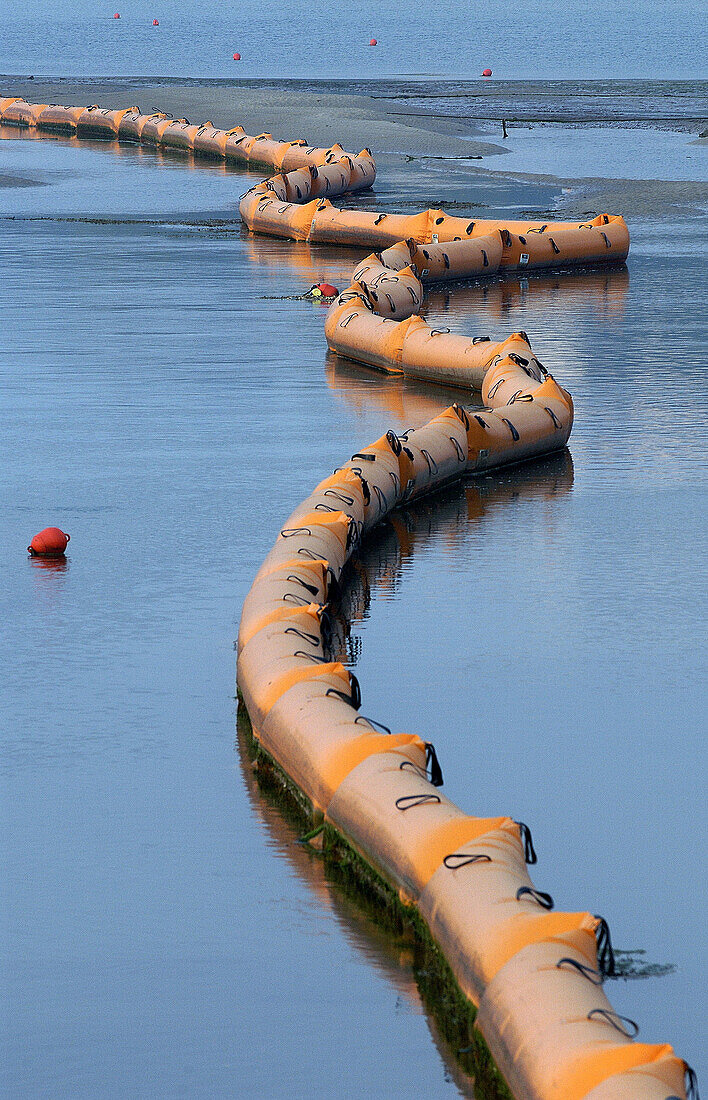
<point>534,975</point>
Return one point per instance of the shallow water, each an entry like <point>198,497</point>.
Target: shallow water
<point>598,152</point>
<point>556,39</point>
<point>165,934</point>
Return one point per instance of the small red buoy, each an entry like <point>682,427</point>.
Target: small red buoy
<point>328,291</point>
<point>117,15</point>
<point>156,23</point>
<point>373,42</point>
<point>487,72</point>
<point>237,57</point>
<point>49,543</point>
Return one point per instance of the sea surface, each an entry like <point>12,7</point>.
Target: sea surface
<point>167,398</point>
<point>546,40</point>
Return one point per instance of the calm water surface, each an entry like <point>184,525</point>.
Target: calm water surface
<point>165,934</point>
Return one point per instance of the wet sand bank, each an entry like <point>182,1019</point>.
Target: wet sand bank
<point>397,135</point>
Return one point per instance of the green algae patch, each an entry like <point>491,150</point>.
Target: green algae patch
<point>453,1013</point>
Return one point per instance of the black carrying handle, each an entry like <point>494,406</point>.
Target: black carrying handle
<point>353,698</point>
<point>306,637</point>
<point>593,976</point>
<point>373,723</point>
<point>312,588</point>
<point>542,899</point>
<point>605,951</point>
<point>691,1083</point>
<point>455,860</point>
<point>616,1021</point>
<point>433,764</point>
<point>527,840</point>
<point>408,801</point>
<point>432,771</point>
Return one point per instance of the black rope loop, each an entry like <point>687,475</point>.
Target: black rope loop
<point>288,532</point>
<point>292,597</point>
<point>411,766</point>
<point>353,698</point>
<point>304,634</point>
<point>460,453</point>
<point>408,801</point>
<point>305,552</point>
<point>338,496</point>
<point>439,331</point>
<point>373,723</point>
<point>321,507</point>
<point>380,496</point>
<point>514,434</point>
<point>367,458</point>
<point>691,1080</point>
<point>432,464</point>
<point>605,951</point>
<point>308,587</point>
<point>587,971</point>
<point>544,900</point>
<point>393,442</point>
<point>481,339</point>
<point>553,416</point>
<point>518,359</point>
<point>461,414</point>
<point>616,1021</point>
<point>529,850</point>
<point>433,764</point>
<point>314,657</point>
<point>464,859</point>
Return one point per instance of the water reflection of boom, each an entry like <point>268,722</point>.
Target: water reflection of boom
<point>449,515</point>
<point>392,954</point>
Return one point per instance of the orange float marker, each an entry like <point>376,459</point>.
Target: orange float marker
<point>156,23</point>
<point>116,15</point>
<point>487,72</point>
<point>237,57</point>
<point>373,42</point>
<point>49,543</point>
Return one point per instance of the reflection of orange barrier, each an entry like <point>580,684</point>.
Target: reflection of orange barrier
<point>392,957</point>
<point>601,292</point>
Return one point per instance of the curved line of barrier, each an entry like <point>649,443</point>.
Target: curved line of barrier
<point>534,975</point>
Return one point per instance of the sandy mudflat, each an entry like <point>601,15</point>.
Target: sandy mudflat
<point>357,121</point>
<point>354,121</point>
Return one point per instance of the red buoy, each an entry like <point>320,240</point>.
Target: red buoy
<point>117,15</point>
<point>237,57</point>
<point>487,72</point>
<point>373,42</point>
<point>49,543</point>
<point>155,23</point>
<point>328,291</point>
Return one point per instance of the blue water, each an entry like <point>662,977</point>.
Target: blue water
<point>164,935</point>
<point>549,39</point>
